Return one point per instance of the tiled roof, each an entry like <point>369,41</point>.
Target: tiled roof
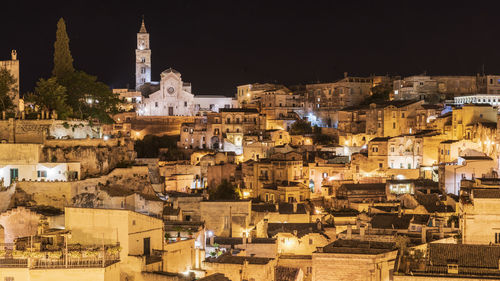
<point>393,221</point>
<point>215,277</point>
<point>301,228</point>
<point>432,203</point>
<point>486,193</point>
<point>478,157</point>
<point>239,241</point>
<point>359,247</point>
<point>230,259</point>
<point>286,273</point>
<point>263,207</point>
<point>248,110</point>
<point>380,139</point>
<point>479,256</point>
<point>364,186</point>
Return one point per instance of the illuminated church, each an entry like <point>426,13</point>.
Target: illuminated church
<point>171,96</point>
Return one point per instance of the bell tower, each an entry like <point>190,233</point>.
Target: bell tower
<point>142,58</point>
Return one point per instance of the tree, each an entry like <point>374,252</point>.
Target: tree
<point>300,127</point>
<point>380,93</point>
<point>7,87</point>
<point>225,191</point>
<point>88,97</point>
<point>50,95</point>
<point>63,61</point>
<point>401,242</point>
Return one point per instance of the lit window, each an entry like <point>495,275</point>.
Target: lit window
<point>41,174</point>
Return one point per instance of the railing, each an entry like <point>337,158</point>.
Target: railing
<point>10,262</point>
<point>56,263</point>
<point>72,263</point>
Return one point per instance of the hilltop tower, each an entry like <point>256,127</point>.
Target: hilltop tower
<point>142,58</point>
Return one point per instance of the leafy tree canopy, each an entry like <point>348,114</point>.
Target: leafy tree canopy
<point>380,93</point>
<point>301,127</point>
<point>50,95</point>
<point>7,87</point>
<point>88,97</point>
<point>225,191</point>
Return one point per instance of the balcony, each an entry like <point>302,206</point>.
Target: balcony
<point>74,256</point>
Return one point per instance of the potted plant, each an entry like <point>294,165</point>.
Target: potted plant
<point>178,229</point>
<point>54,255</point>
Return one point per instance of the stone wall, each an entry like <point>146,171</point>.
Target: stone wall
<point>97,157</point>
<point>36,131</point>
<point>158,125</point>
<point>19,222</point>
<point>61,194</point>
<point>219,216</point>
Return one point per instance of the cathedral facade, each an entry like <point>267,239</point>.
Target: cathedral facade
<point>171,96</point>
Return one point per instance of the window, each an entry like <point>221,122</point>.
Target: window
<point>185,104</point>
<point>133,222</point>
<point>392,148</point>
<point>143,59</point>
<point>375,149</point>
<point>325,175</point>
<point>394,125</point>
<point>8,278</point>
<point>41,174</point>
<point>380,165</point>
<point>143,70</point>
<point>156,104</point>
<point>402,115</point>
<point>310,241</point>
<point>497,238</point>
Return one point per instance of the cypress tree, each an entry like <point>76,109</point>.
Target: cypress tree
<point>63,62</point>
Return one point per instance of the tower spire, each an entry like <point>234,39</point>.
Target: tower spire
<point>143,26</point>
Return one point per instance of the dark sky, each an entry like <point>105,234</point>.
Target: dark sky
<point>217,45</point>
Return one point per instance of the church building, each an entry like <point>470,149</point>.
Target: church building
<point>171,96</point>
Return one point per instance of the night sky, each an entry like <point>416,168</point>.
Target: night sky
<point>217,45</point>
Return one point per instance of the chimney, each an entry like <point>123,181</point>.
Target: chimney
<point>294,207</point>
<point>424,234</point>
<point>266,225</point>
<point>349,232</point>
